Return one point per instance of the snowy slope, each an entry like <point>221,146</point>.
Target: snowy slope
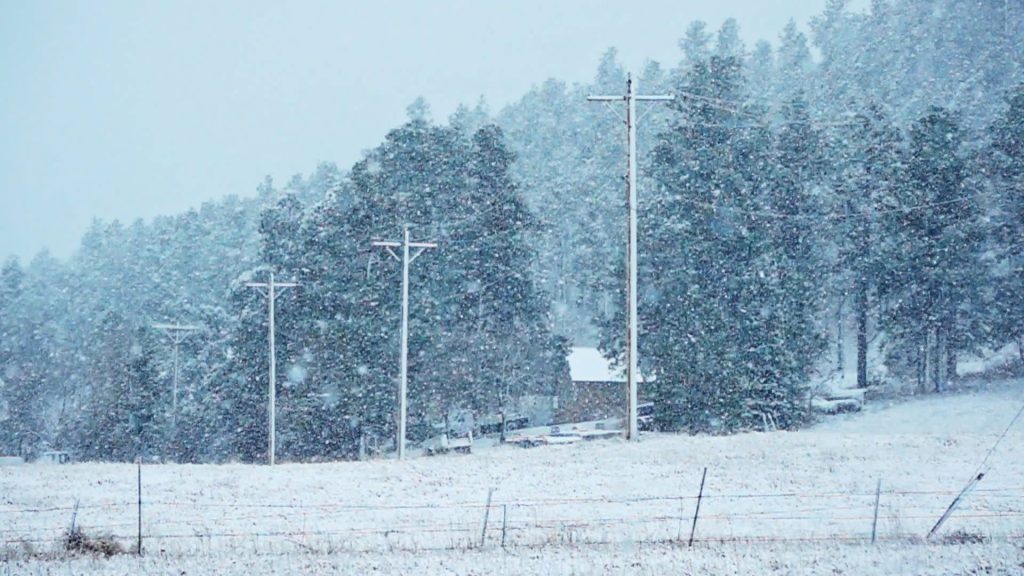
<point>591,507</point>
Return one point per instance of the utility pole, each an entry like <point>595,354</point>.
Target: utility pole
<point>403,377</point>
<point>631,98</point>
<point>177,333</point>
<point>1006,19</point>
<point>271,295</point>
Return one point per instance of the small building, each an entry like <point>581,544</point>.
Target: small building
<point>597,390</point>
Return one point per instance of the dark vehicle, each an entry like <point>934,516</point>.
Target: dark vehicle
<point>645,416</point>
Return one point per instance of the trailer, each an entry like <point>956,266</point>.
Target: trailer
<point>443,443</point>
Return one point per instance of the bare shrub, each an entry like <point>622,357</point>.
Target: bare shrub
<point>963,537</point>
<point>76,541</point>
<point>17,549</point>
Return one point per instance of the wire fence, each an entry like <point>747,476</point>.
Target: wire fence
<point>793,516</point>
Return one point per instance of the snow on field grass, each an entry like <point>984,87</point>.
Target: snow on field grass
<point>972,412</point>
<point>586,508</point>
<point>793,559</point>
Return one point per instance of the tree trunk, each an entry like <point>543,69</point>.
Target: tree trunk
<point>862,334</point>
<point>936,357</point>
<point>949,347</point>
<point>840,335</point>
<point>922,362</point>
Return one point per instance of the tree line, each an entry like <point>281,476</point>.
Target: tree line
<point>781,194</point>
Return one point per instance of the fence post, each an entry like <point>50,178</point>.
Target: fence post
<point>487,514</point>
<point>679,530</point>
<point>700,495</point>
<point>504,523</point>
<point>874,521</point>
<point>74,519</point>
<point>138,549</point>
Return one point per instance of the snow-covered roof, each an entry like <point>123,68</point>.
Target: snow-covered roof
<point>589,365</point>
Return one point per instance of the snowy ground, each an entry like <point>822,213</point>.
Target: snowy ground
<point>777,503</point>
<point>795,559</point>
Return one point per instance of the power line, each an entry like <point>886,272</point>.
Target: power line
<point>724,105</point>
<point>818,217</point>
<point>736,108</point>
<point>988,455</point>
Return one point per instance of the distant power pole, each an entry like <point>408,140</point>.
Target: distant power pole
<point>405,259</point>
<point>1006,19</point>
<point>177,333</point>
<point>631,98</point>
<point>271,295</point>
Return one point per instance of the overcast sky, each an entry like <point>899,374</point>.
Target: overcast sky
<point>129,109</point>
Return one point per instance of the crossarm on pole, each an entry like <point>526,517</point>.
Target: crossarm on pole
<point>259,287</point>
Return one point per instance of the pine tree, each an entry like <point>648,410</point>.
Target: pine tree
<point>12,279</point>
<point>793,265</point>
<point>279,230</point>
<point>502,304</point>
<point>794,62</point>
<point>479,329</point>
<point>124,416</point>
<point>695,45</point>
<point>723,330</point>
<point>1005,160</point>
<point>868,180</point>
<point>835,33</point>
<point>727,42</point>
<point>570,167</point>
<point>149,404</point>
<point>33,355</point>
<point>468,120</point>
<point>760,72</point>
<point>934,314</point>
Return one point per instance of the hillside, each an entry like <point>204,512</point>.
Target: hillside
<point>791,502</point>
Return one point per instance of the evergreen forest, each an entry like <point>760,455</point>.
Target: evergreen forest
<point>861,183</point>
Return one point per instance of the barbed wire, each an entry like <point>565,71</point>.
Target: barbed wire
<point>825,510</point>
<point>1012,491</point>
<point>544,540</point>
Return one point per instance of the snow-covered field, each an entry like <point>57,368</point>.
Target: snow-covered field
<point>794,559</point>
<point>776,503</point>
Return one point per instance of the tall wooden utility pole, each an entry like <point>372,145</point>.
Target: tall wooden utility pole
<point>403,379</point>
<point>631,98</point>
<point>271,295</point>
<point>177,333</point>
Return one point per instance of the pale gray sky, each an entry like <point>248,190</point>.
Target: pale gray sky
<point>132,108</point>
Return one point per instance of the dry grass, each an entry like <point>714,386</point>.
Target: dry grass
<point>959,537</point>
<point>76,541</point>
